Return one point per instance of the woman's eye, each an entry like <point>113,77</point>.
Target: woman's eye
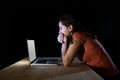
<point>60,28</point>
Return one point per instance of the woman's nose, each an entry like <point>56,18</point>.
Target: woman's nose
<point>59,31</point>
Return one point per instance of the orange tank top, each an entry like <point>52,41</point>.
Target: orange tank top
<point>94,55</point>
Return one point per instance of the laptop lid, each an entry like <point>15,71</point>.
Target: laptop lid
<point>34,60</point>
<point>31,50</point>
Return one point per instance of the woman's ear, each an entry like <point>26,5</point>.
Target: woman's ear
<point>70,28</point>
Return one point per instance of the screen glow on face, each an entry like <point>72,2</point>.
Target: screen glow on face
<point>63,29</point>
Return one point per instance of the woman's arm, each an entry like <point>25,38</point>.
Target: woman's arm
<point>64,48</point>
<point>69,51</point>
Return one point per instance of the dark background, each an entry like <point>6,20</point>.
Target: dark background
<point>41,24</point>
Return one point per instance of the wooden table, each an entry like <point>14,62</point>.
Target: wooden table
<point>22,70</point>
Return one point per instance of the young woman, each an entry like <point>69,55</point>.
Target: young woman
<point>85,46</point>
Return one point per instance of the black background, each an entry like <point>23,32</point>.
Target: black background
<point>41,24</point>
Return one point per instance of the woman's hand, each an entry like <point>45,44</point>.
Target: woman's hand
<point>60,38</point>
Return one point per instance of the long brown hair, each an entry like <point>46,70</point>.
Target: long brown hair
<point>68,20</point>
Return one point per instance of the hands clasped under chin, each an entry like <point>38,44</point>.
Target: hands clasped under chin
<point>62,38</point>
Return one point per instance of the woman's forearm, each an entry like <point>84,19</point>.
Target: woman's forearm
<point>64,50</point>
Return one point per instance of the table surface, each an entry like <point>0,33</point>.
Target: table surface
<point>22,70</point>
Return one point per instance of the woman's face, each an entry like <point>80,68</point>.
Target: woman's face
<point>66,30</point>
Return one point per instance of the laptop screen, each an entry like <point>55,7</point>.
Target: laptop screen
<point>31,50</point>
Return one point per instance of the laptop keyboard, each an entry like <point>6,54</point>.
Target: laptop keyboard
<point>48,61</point>
<point>41,61</point>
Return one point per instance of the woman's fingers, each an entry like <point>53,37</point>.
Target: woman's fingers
<point>60,38</point>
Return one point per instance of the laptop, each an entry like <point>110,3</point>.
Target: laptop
<point>39,60</point>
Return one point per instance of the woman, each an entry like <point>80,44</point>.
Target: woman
<point>85,46</point>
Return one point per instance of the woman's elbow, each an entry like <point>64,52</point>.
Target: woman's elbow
<point>66,63</point>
